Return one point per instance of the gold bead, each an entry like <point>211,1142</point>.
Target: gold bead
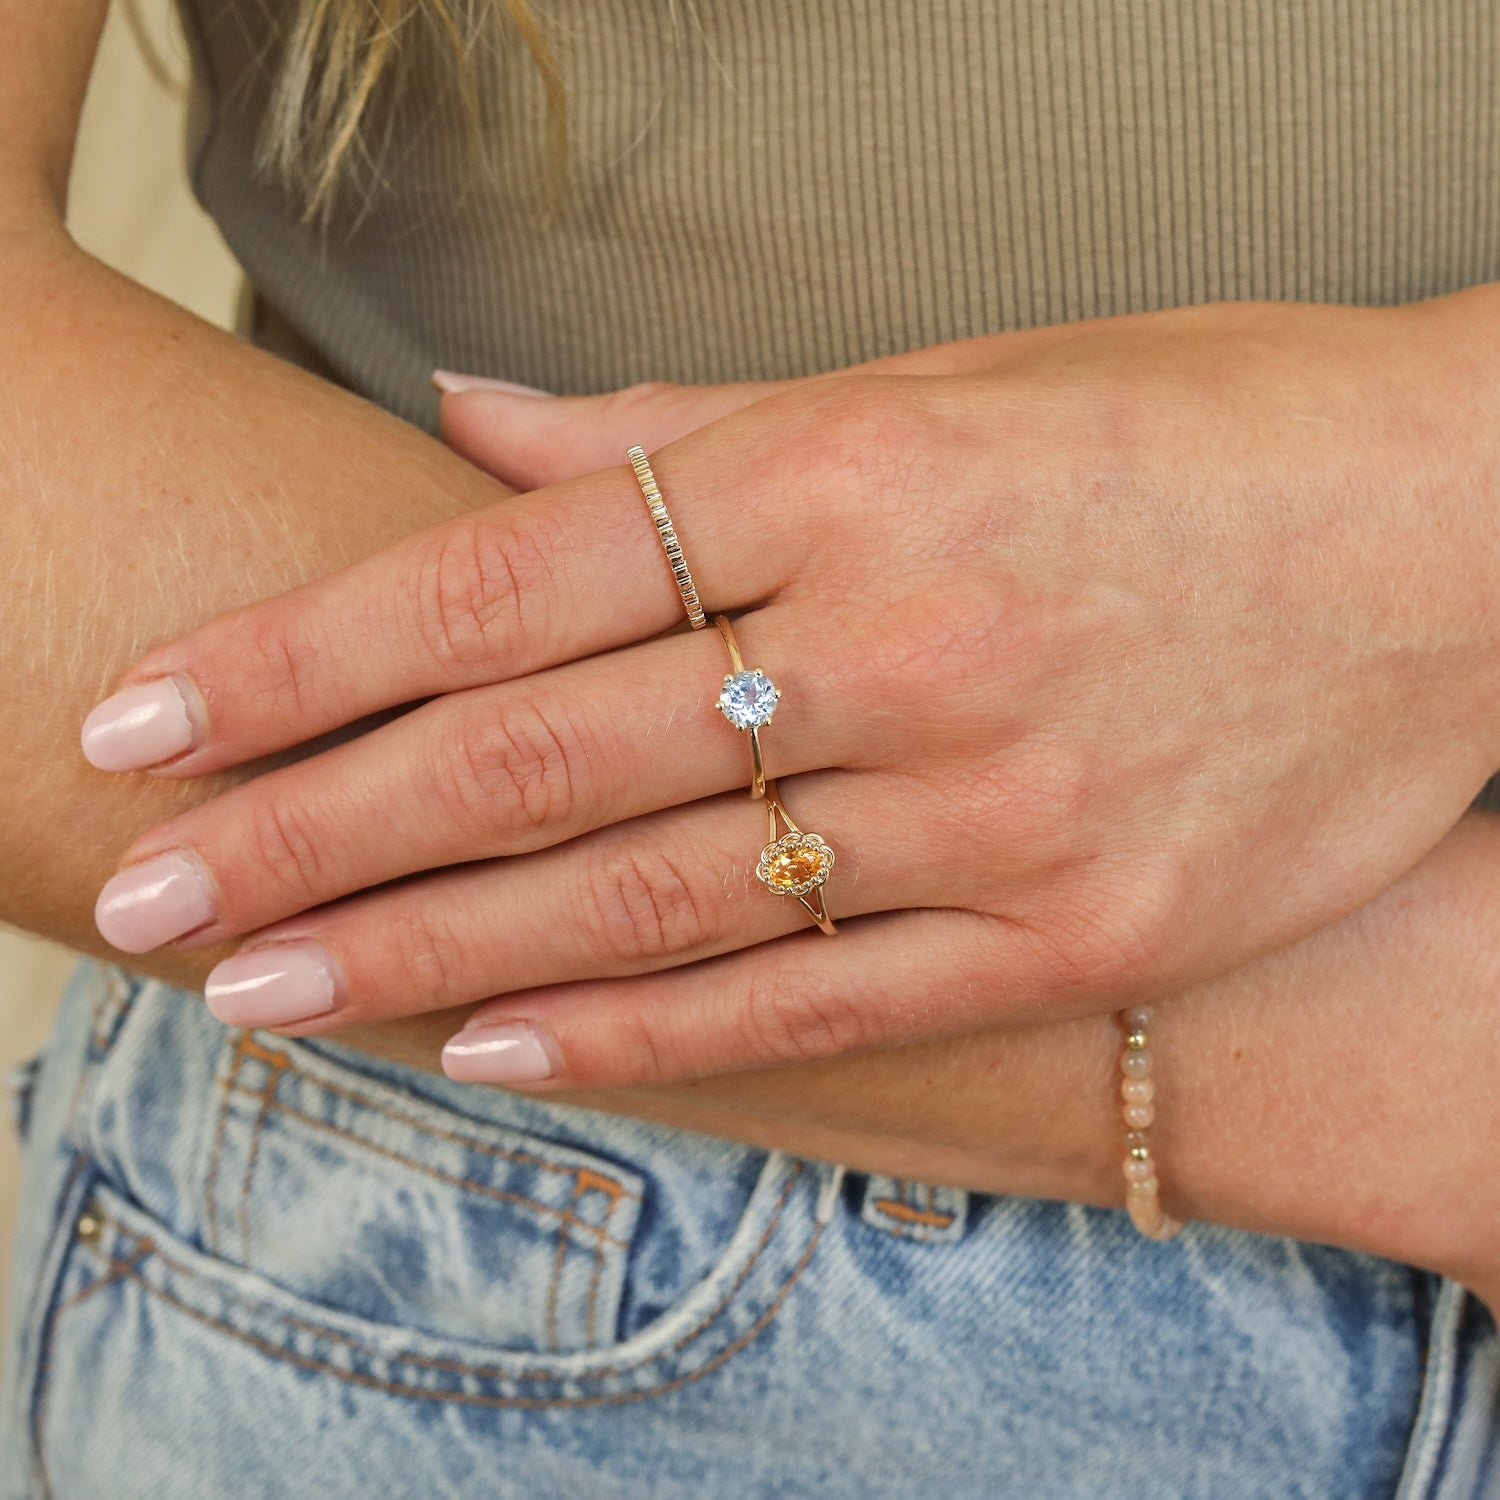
<point>1140,1153</point>
<point>1136,1041</point>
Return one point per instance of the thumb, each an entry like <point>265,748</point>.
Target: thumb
<point>529,438</point>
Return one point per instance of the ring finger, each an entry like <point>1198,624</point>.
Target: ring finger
<point>502,769</point>
<point>656,892</point>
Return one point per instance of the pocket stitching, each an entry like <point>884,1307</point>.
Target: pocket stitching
<point>451,1366</point>
<point>557,1264</point>
<point>353,1377</point>
<point>354,1096</point>
<point>257,1130</point>
<point>228,1081</point>
<point>113,1272</point>
<point>613,1191</point>
<point>598,1272</point>
<point>486,1189</point>
<point>41,1314</point>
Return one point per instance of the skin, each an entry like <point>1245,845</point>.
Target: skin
<point>1098,694</point>
<point>1266,1066</point>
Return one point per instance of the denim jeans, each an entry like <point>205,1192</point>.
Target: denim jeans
<point>250,1267</point>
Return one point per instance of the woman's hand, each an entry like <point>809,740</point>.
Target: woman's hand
<point>1343,1089</point>
<point>1106,669</point>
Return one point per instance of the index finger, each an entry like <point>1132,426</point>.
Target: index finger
<point>531,582</point>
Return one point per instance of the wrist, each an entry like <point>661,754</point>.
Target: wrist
<point>1337,1092</point>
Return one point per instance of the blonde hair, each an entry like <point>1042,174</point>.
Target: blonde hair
<point>336,55</point>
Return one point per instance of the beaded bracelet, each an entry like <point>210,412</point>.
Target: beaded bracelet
<point>1142,1189</point>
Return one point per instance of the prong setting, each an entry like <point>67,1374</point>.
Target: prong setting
<point>748,699</point>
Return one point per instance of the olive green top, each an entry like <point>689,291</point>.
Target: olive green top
<point>771,187</point>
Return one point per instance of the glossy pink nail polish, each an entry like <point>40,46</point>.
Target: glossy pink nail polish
<point>153,902</point>
<point>505,1052</point>
<point>275,985</point>
<point>451,383</point>
<point>139,726</point>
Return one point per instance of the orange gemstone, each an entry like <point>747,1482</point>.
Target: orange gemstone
<point>792,867</point>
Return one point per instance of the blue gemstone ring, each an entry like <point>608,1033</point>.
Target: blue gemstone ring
<point>748,700</point>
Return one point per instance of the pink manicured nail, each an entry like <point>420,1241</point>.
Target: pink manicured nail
<point>153,902</point>
<point>275,985</point>
<point>139,726</point>
<point>450,383</point>
<point>508,1052</point>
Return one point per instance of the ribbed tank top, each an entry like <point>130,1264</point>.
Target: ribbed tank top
<point>765,188</point>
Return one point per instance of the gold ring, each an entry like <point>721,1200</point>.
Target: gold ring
<point>668,534</point>
<point>795,863</point>
<point>748,700</point>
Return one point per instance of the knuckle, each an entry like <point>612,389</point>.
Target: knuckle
<point>481,584</point>
<point>512,768</point>
<point>281,665</point>
<point>422,948</point>
<point>632,1056</point>
<point>646,905</point>
<point>286,846</point>
<point>790,1018</point>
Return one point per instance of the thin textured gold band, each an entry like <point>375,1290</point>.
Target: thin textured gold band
<point>668,534</point>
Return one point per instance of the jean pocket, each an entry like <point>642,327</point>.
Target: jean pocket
<point>136,1279</point>
<point>303,1203</point>
<point>336,1186</point>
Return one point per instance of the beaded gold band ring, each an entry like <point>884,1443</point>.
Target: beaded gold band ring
<point>651,491</point>
<point>1138,1091</point>
<point>793,863</point>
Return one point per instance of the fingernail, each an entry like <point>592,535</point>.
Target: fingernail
<point>153,902</point>
<point>275,985</point>
<point>139,726</point>
<point>450,383</point>
<point>507,1052</point>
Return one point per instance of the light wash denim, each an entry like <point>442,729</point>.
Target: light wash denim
<point>251,1267</point>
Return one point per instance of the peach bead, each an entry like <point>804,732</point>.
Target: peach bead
<point>1137,1064</point>
<point>1138,1171</point>
<point>1139,1116</point>
<point>1163,1228</point>
<point>1142,1192</point>
<point>1151,1221</point>
<point>1137,1018</point>
<point>1137,1090</point>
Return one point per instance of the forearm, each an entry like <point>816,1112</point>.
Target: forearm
<point>154,471</point>
<point>1342,1090</point>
